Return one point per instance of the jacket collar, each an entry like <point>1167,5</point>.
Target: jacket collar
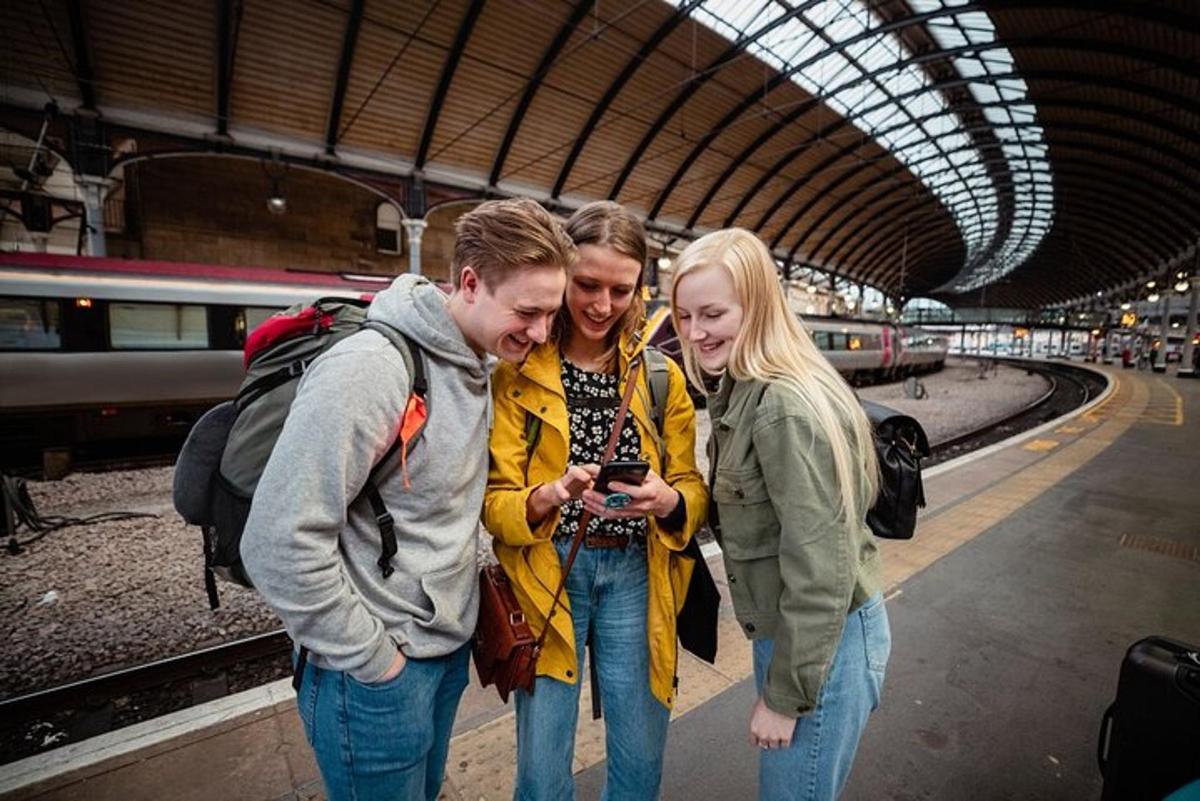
<point>734,399</point>
<point>543,365</point>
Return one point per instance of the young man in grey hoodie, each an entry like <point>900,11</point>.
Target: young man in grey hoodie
<point>389,655</point>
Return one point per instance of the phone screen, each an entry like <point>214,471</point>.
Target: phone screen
<point>626,472</point>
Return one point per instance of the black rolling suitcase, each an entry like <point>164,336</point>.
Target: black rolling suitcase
<point>1150,736</point>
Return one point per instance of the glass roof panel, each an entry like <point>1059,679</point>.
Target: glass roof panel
<point>833,50</point>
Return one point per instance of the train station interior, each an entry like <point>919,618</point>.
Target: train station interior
<point>985,214</point>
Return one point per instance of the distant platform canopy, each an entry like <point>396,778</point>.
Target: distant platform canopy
<point>1020,153</point>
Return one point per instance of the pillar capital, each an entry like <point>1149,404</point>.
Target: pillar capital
<point>414,227</point>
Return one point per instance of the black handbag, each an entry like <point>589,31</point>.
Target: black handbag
<point>696,623</point>
<point>900,444</point>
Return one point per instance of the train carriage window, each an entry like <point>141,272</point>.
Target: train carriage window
<point>822,338</point>
<point>256,315</point>
<point>29,324</point>
<point>854,342</point>
<point>157,326</point>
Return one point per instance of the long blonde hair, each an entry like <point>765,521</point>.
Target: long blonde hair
<point>607,224</point>
<point>773,346</point>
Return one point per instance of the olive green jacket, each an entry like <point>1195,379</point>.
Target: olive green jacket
<point>795,570</point>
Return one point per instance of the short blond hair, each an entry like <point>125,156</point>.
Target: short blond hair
<point>500,238</point>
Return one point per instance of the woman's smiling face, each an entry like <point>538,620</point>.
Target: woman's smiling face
<point>600,287</point>
<point>710,315</point>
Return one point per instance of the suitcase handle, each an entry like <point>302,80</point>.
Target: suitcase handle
<point>1105,737</point>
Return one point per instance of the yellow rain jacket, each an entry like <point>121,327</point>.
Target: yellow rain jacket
<point>528,555</point>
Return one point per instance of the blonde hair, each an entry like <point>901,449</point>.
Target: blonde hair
<point>609,225</point>
<point>773,346</point>
<point>500,238</point>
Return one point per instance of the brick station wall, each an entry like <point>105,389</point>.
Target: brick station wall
<point>213,211</point>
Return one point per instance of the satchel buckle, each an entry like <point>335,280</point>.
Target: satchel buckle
<point>516,618</point>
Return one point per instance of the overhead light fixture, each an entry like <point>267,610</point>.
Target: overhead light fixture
<point>1153,297</point>
<point>1125,306</point>
<point>1181,286</point>
<point>1181,274</point>
<point>664,263</point>
<point>1151,284</point>
<point>810,289</point>
<point>276,200</point>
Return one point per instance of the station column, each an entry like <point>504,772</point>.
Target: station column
<point>1185,365</point>
<point>93,189</point>
<point>413,229</point>
<point>1164,328</point>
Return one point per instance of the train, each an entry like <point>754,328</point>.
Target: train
<point>863,351</point>
<point>112,358</point>
<point>103,359</point>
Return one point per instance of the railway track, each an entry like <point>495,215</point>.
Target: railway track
<point>55,716</point>
<point>1070,388</point>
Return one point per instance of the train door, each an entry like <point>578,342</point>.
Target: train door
<point>83,328</point>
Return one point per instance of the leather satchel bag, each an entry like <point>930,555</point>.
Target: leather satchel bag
<point>504,648</point>
<point>900,444</point>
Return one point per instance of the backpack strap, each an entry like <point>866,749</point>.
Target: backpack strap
<point>412,425</point>
<point>658,379</point>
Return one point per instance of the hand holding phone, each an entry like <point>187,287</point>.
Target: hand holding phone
<point>631,471</point>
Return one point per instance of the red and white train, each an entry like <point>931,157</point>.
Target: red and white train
<point>99,351</point>
<point>96,353</point>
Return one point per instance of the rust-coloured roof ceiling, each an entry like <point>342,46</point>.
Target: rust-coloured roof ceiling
<point>1038,151</point>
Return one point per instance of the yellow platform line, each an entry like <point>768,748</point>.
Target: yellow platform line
<point>1177,410</point>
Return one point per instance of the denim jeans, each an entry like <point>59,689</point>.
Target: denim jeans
<point>387,740</point>
<point>608,592</point>
<point>817,764</point>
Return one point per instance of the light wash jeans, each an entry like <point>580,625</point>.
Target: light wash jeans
<point>817,765</point>
<point>388,740</point>
<point>608,591</point>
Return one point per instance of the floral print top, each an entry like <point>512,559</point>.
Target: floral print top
<point>592,403</point>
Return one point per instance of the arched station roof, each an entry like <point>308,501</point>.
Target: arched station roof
<point>1018,152</point>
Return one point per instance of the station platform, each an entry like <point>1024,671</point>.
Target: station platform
<point>1036,564</point>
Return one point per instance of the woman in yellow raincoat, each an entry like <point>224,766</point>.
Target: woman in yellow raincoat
<point>554,415</point>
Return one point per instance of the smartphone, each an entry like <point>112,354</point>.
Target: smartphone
<point>627,472</point>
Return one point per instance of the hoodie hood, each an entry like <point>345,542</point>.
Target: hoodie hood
<point>415,306</point>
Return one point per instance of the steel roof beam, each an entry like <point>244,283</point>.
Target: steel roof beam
<point>1087,201</point>
<point>853,196</point>
<point>874,265</point>
<point>1188,67</point>
<point>349,42</point>
<point>837,156</point>
<point>649,46</point>
<point>535,82</point>
<point>85,79</point>
<point>695,84</point>
<point>1186,102</point>
<point>449,67</point>
<point>1080,170</point>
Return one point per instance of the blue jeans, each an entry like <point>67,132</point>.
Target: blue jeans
<point>608,590</point>
<point>817,764</point>
<point>387,740</point>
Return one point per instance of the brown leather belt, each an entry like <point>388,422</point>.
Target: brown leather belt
<point>595,541</point>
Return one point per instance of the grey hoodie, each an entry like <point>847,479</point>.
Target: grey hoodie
<point>311,543</point>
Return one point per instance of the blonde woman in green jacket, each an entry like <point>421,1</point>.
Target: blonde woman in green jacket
<point>793,475</point>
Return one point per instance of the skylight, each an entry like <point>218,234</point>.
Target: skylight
<point>833,51</point>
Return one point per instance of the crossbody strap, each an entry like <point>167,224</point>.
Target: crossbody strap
<point>585,517</point>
